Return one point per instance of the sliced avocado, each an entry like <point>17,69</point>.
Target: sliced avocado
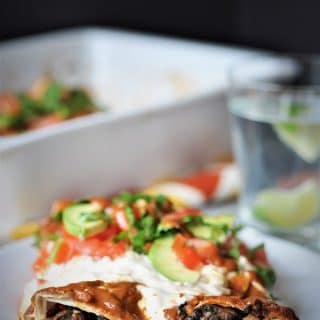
<point>213,227</point>
<point>84,220</point>
<point>222,219</point>
<point>166,262</point>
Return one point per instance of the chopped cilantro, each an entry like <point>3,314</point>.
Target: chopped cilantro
<point>129,213</point>
<point>163,231</point>
<point>138,242</point>
<point>82,201</point>
<point>58,216</point>
<point>192,219</point>
<point>160,198</point>
<point>130,198</point>
<point>123,235</point>
<point>267,275</point>
<point>36,240</point>
<point>146,231</point>
<point>51,100</point>
<point>234,251</point>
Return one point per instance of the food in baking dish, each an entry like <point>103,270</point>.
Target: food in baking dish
<point>46,103</point>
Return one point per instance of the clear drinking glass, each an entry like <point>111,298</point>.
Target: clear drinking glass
<point>276,136</point>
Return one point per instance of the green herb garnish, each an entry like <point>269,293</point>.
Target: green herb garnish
<point>123,235</point>
<point>193,220</point>
<point>147,231</point>
<point>130,198</point>
<point>161,199</point>
<point>234,251</point>
<point>129,213</point>
<point>267,275</point>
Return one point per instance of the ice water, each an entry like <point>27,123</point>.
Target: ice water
<point>279,157</point>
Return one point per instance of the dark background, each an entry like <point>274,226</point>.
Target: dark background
<point>277,25</point>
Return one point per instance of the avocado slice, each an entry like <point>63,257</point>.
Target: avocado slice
<point>212,229</point>
<point>84,220</point>
<point>221,219</point>
<point>167,263</point>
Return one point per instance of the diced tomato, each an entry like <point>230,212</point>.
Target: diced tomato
<point>229,264</point>
<point>9,104</point>
<point>98,249</point>
<point>186,254</point>
<point>65,252</point>
<point>60,205</point>
<point>40,263</point>
<point>42,260</point>
<point>243,249</point>
<point>147,246</point>
<point>108,233</point>
<point>259,257</point>
<point>206,250</point>
<point>50,226</point>
<point>138,213</point>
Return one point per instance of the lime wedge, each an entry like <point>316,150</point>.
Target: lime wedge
<point>288,208</point>
<point>304,139</point>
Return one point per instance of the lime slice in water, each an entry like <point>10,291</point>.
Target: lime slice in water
<point>304,139</point>
<point>288,208</point>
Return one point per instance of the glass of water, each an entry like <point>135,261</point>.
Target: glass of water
<point>275,127</point>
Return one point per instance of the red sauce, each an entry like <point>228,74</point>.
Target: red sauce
<point>111,300</point>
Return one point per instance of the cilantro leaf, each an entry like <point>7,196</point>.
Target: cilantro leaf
<point>192,220</point>
<point>123,235</point>
<point>267,275</point>
<point>234,251</point>
<point>147,229</point>
<point>161,199</point>
<point>130,198</point>
<point>129,213</point>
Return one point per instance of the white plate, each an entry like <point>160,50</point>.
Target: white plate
<point>298,281</point>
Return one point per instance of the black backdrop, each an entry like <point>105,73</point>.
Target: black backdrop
<point>277,25</point>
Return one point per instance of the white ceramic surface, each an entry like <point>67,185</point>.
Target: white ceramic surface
<point>298,276</point>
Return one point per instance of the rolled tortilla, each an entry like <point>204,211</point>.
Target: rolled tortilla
<point>94,300</point>
<point>97,300</point>
<point>230,308</point>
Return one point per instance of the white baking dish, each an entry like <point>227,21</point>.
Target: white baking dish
<point>167,113</point>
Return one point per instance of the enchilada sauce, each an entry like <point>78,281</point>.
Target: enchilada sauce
<point>119,300</point>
